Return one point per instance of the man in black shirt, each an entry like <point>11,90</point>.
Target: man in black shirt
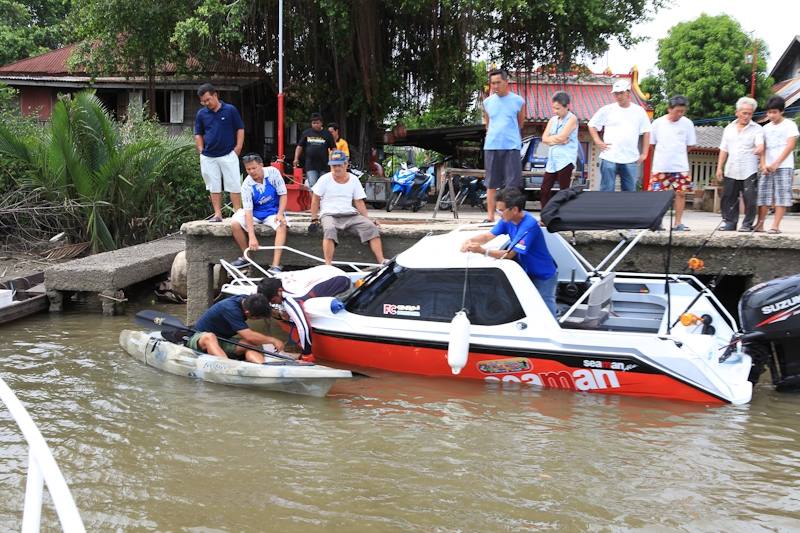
<point>316,142</point>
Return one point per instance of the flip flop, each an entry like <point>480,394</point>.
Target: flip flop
<point>759,230</point>
<point>216,219</point>
<point>773,231</point>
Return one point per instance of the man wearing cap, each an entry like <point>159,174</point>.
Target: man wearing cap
<point>503,114</point>
<point>338,203</point>
<point>317,144</point>
<point>622,122</point>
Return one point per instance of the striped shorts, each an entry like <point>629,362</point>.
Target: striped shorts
<point>775,188</point>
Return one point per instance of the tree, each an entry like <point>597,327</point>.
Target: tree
<point>84,157</point>
<point>706,60</point>
<point>363,61</point>
<point>30,27</point>
<point>120,36</point>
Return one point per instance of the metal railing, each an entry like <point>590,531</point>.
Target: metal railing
<point>42,469</point>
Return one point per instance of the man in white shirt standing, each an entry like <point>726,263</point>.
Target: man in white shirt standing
<point>737,166</point>
<point>673,135</point>
<point>338,199</point>
<point>622,123</point>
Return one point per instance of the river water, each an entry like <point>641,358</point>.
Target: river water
<point>142,450</point>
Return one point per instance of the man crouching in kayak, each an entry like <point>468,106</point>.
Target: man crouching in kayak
<point>227,319</point>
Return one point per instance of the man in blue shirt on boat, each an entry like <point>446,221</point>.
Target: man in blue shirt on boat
<point>526,245</point>
<point>227,319</point>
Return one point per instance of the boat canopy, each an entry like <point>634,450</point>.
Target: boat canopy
<point>573,209</point>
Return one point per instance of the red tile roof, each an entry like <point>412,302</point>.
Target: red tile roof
<point>586,97</point>
<point>54,64</point>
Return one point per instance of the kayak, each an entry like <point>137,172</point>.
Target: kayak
<point>275,374</point>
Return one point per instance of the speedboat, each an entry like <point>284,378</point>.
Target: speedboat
<point>436,311</point>
<point>274,375</point>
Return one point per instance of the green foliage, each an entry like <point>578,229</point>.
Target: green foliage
<point>30,27</point>
<point>705,60</point>
<point>118,174</point>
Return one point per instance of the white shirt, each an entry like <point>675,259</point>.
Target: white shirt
<point>337,198</point>
<point>775,138</point>
<point>672,140</point>
<point>742,162</point>
<point>621,127</point>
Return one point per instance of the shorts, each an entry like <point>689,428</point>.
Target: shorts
<point>358,224</point>
<point>503,169</point>
<point>775,188</point>
<point>219,171</point>
<point>228,348</point>
<point>676,181</point>
<point>271,220</point>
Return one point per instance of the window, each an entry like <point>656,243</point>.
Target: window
<point>436,295</point>
<point>176,107</point>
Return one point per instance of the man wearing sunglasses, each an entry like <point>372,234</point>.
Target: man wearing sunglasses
<point>264,202</point>
<point>526,245</point>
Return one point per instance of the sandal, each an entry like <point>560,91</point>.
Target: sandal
<point>773,231</point>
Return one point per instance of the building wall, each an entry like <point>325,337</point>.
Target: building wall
<point>37,101</point>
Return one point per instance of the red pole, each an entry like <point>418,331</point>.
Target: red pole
<point>753,75</point>
<point>280,134</point>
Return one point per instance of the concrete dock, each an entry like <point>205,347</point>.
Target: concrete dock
<point>760,257</point>
<point>108,274</point>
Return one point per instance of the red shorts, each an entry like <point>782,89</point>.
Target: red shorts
<point>676,181</point>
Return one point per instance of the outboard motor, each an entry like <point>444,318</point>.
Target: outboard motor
<point>770,315</point>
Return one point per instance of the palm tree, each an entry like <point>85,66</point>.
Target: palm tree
<point>82,156</point>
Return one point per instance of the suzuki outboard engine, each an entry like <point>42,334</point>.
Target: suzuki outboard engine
<point>770,315</point>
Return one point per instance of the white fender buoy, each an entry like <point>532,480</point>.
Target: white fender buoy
<point>458,346</point>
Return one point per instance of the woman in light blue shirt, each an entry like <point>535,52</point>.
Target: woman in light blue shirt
<point>561,134</point>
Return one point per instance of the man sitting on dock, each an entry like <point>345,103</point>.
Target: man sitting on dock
<point>527,245</point>
<point>227,319</point>
<point>339,199</point>
<point>263,202</point>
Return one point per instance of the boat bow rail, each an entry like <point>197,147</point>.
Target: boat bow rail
<point>42,469</point>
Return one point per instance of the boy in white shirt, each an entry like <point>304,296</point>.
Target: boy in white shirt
<point>777,165</point>
<point>672,135</point>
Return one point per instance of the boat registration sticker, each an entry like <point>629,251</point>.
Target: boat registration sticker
<point>505,366</point>
<point>401,310</point>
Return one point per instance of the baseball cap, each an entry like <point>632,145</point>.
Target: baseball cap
<point>621,86</point>
<point>337,158</point>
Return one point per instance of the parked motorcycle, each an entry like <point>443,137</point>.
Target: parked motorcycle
<point>410,186</point>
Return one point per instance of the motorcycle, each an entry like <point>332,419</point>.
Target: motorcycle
<point>410,186</point>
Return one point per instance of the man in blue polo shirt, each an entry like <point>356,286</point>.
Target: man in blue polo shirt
<point>219,136</point>
<point>227,319</point>
<point>527,245</point>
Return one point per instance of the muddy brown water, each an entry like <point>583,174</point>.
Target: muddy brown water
<point>142,450</point>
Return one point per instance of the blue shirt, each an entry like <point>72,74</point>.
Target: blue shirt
<point>503,133</point>
<point>218,129</point>
<point>531,249</point>
<point>561,155</point>
<point>224,319</point>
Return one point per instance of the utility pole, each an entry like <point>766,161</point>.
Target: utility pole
<point>280,87</point>
<point>753,73</point>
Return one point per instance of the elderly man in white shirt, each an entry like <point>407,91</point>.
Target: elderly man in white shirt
<point>737,166</point>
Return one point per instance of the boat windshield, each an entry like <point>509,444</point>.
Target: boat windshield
<point>436,295</point>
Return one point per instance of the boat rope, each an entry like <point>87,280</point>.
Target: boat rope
<point>464,291</point>
<point>668,261</point>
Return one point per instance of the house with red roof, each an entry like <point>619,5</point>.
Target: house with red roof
<point>40,79</point>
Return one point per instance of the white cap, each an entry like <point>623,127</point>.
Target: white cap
<point>621,86</point>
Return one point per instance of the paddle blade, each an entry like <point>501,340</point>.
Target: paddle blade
<point>157,320</point>
<point>177,336</point>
